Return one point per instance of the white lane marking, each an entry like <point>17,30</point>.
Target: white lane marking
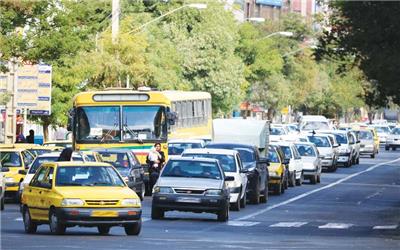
<point>314,191</point>
<point>336,226</point>
<point>236,223</point>
<point>19,219</point>
<point>289,224</point>
<point>385,227</point>
<point>144,219</point>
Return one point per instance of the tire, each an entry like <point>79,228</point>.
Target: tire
<point>346,165</point>
<point>103,230</point>
<point>223,215</point>
<point>264,196</point>
<point>56,227</point>
<point>133,229</point>
<point>394,148</point>
<point>278,189</point>
<point>387,148</point>
<point>319,178</point>
<point>292,181</point>
<point>236,205</point>
<point>29,226</point>
<point>255,196</point>
<point>2,204</point>
<point>142,192</point>
<point>299,182</point>
<point>373,156</point>
<point>358,160</point>
<point>157,213</point>
<point>243,201</point>
<point>286,181</point>
<point>283,186</point>
<point>313,179</point>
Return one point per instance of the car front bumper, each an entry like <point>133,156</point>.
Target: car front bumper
<point>189,203</point>
<point>108,216</point>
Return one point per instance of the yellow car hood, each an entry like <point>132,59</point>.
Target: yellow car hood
<point>96,192</point>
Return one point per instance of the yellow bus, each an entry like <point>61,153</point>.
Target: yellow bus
<point>136,120</point>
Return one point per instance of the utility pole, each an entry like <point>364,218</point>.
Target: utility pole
<point>115,20</point>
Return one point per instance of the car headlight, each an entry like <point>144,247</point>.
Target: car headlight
<point>213,192</point>
<point>9,179</point>
<point>131,202</point>
<point>163,190</point>
<point>72,202</point>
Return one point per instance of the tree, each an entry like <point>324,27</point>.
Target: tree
<point>368,31</point>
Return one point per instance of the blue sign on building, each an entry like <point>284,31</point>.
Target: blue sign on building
<point>277,3</point>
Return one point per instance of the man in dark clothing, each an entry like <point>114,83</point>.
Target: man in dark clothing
<point>155,159</point>
<point>31,137</point>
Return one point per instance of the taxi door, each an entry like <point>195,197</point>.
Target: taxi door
<point>31,195</point>
<point>45,194</point>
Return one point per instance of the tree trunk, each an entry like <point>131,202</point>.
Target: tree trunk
<point>270,114</point>
<point>45,131</point>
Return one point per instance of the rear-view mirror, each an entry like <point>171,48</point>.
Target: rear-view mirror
<point>229,178</point>
<point>5,169</point>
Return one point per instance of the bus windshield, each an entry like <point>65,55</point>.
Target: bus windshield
<point>108,123</point>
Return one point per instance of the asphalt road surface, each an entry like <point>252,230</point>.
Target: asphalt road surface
<point>353,208</point>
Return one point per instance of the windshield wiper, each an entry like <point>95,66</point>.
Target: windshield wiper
<point>109,132</point>
<point>134,133</point>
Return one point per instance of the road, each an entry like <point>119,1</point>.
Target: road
<point>353,208</point>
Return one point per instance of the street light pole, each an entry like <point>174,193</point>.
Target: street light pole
<point>115,20</point>
<point>192,5</point>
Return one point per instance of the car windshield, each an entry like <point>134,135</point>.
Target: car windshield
<point>315,125</point>
<point>227,162</point>
<point>273,156</point>
<point>320,141</point>
<point>39,160</point>
<point>286,150</point>
<point>10,159</point>
<point>192,169</point>
<point>396,131</point>
<point>178,148</point>
<point>383,130</point>
<point>246,155</point>
<point>342,139</point>
<point>88,176</point>
<point>365,135</point>
<point>305,150</point>
<point>277,131</point>
<point>119,160</point>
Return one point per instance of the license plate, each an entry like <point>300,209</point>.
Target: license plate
<point>188,200</point>
<point>104,213</point>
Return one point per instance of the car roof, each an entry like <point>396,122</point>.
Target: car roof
<point>56,154</point>
<point>186,141</point>
<point>186,158</point>
<point>210,151</point>
<point>283,143</point>
<point>236,145</point>
<point>74,164</point>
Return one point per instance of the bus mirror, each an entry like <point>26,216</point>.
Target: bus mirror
<point>172,117</point>
<point>71,114</point>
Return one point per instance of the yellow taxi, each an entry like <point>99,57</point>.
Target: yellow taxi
<point>277,170</point>
<point>17,161</point>
<point>93,156</point>
<point>90,194</point>
<point>374,133</point>
<point>34,149</point>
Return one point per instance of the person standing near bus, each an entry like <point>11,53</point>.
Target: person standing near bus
<point>155,160</point>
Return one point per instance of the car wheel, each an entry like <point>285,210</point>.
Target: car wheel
<point>56,227</point>
<point>394,148</point>
<point>264,196</point>
<point>2,203</point>
<point>387,148</point>
<point>243,201</point>
<point>286,180</point>
<point>283,186</point>
<point>292,180</point>
<point>255,195</point>
<point>103,230</point>
<point>319,178</point>
<point>236,204</point>
<point>156,213</point>
<point>299,182</point>
<point>313,179</point>
<point>223,214</point>
<point>358,160</point>
<point>29,226</point>
<point>142,192</point>
<point>278,189</point>
<point>133,229</point>
<point>373,156</point>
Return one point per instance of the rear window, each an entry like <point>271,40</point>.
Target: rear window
<point>306,150</point>
<point>320,141</point>
<point>192,169</point>
<point>178,148</point>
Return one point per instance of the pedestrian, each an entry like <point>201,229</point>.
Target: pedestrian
<point>31,137</point>
<point>155,160</point>
<point>20,139</point>
<point>65,155</point>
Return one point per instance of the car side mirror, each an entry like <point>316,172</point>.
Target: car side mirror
<point>71,114</point>
<point>22,171</point>
<point>358,141</point>
<point>5,169</point>
<point>336,145</point>
<point>229,178</point>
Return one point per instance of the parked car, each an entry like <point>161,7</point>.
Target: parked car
<point>357,146</point>
<point>277,170</point>
<point>368,145</point>
<point>278,133</point>
<point>232,165</point>
<point>91,194</point>
<point>256,168</point>
<point>311,159</point>
<point>346,146</point>
<point>327,149</point>
<point>125,161</point>
<point>393,140</point>
<point>176,147</point>
<point>17,161</point>
<point>39,160</point>
<point>192,185</point>
<point>2,186</point>
<point>383,132</point>
<point>291,154</point>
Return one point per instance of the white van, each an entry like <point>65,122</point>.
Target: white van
<point>314,122</point>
